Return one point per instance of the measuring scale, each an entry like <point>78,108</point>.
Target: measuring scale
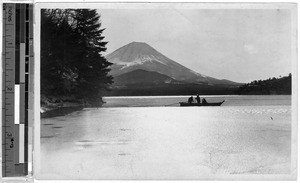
<point>17,90</point>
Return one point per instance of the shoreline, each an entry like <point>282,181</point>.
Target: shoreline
<point>54,106</point>
<point>60,111</point>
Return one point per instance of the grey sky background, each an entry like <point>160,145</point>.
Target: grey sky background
<point>235,44</point>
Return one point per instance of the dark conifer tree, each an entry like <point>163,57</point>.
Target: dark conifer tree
<point>71,59</point>
<point>57,50</point>
<point>92,66</point>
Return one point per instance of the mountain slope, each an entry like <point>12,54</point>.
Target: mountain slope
<point>142,77</point>
<point>136,55</point>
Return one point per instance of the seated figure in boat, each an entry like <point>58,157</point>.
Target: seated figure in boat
<point>191,99</point>
<point>204,101</point>
<point>198,99</point>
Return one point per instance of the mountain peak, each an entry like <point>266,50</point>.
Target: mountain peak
<point>132,52</point>
<point>137,43</point>
<point>142,47</point>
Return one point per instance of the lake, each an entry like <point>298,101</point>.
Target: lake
<point>154,138</point>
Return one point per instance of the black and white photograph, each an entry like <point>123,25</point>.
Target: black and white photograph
<point>167,91</point>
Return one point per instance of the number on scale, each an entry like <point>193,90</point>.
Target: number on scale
<point>11,142</point>
<point>10,13</point>
<point>9,88</point>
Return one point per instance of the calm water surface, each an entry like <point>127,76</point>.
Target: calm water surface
<point>230,100</point>
<point>154,138</point>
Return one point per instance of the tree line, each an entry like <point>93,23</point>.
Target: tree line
<point>277,86</point>
<point>72,64</point>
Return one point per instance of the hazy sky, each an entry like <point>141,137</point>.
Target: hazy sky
<point>239,45</point>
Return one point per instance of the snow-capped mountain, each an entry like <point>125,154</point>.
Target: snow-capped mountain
<point>138,55</point>
<point>142,77</point>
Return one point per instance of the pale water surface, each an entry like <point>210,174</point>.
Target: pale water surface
<point>247,135</point>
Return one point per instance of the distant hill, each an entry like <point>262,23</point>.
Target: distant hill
<point>170,89</point>
<point>141,56</point>
<point>271,86</point>
<point>148,83</point>
<point>142,77</point>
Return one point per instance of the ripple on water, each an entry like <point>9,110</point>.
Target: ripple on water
<point>124,154</point>
<point>260,111</point>
<point>91,142</point>
<point>57,127</point>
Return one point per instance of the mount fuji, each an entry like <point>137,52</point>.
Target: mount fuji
<point>141,56</point>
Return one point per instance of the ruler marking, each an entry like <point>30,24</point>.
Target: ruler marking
<point>17,127</point>
<point>29,46</point>
<point>17,104</point>
<point>17,88</point>
<point>27,37</point>
<point>17,44</point>
<point>8,131</point>
<point>27,12</point>
<point>21,143</point>
<point>22,23</point>
<point>3,130</point>
<point>22,63</point>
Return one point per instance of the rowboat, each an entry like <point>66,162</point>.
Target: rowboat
<point>186,104</point>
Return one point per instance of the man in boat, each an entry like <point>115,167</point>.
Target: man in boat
<point>198,99</point>
<point>191,100</point>
<point>204,101</point>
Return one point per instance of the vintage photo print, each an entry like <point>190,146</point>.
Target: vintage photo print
<point>166,91</point>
